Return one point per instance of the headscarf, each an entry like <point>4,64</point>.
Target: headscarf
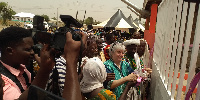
<point>94,74</point>
<point>132,41</point>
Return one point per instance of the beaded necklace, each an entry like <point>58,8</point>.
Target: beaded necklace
<point>131,61</point>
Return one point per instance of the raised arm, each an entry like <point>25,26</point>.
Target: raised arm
<point>116,83</point>
<point>47,63</point>
<point>72,88</point>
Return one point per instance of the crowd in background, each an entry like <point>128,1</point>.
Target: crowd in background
<point>112,68</point>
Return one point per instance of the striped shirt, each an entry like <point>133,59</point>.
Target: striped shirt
<point>61,68</point>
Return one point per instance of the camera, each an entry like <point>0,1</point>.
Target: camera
<point>58,39</point>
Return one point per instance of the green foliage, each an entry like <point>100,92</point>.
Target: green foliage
<point>3,5</point>
<point>89,21</point>
<point>46,18</point>
<point>6,12</point>
<point>80,21</point>
<point>96,22</point>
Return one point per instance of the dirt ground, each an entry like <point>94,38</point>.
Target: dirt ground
<point>11,23</point>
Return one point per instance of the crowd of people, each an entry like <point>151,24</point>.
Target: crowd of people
<point>112,66</point>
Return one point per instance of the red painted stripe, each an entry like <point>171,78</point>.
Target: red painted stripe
<point>153,16</point>
<point>185,77</point>
<point>184,88</point>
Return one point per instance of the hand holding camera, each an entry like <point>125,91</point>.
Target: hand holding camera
<point>72,47</point>
<point>58,39</point>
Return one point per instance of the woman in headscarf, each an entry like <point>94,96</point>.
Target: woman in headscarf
<point>122,69</point>
<point>94,74</point>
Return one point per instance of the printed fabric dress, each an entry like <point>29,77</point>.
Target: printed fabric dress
<point>104,94</point>
<point>125,70</point>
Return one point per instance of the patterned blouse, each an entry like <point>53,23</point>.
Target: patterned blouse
<point>125,70</point>
<point>104,94</point>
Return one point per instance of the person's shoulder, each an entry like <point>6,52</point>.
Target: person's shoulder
<point>11,90</point>
<point>61,60</point>
<point>95,58</point>
<point>108,62</point>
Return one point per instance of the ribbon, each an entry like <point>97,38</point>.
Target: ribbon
<point>193,84</point>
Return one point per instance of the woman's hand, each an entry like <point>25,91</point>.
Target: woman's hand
<point>131,77</point>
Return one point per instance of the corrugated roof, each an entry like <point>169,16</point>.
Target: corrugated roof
<point>23,14</point>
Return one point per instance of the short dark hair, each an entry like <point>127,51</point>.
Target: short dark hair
<point>12,35</point>
<point>109,36</point>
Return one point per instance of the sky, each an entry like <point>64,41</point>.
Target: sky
<point>100,10</point>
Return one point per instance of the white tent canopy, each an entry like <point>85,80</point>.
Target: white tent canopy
<point>123,24</point>
<point>118,21</point>
<point>137,23</point>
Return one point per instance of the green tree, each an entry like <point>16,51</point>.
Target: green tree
<point>96,22</point>
<point>80,21</point>
<point>46,18</point>
<point>6,12</point>
<point>89,21</point>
